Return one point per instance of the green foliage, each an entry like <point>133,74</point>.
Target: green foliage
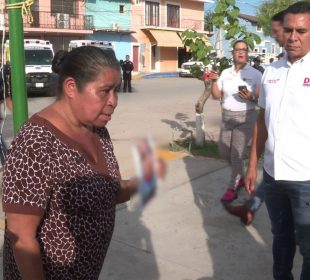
<point>208,26</point>
<point>225,17</point>
<point>224,63</point>
<point>208,149</point>
<point>269,8</point>
<point>203,51</point>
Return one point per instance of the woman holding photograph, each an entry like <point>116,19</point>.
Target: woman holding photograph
<point>61,182</point>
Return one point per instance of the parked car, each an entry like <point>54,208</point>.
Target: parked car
<point>186,66</point>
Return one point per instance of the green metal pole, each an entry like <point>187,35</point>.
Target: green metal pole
<point>17,60</point>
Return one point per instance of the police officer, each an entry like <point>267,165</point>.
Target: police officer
<point>127,67</point>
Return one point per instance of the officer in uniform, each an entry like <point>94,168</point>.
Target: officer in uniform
<point>127,67</point>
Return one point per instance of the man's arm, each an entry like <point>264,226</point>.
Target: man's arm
<point>259,138</point>
<point>22,229</point>
<point>256,94</point>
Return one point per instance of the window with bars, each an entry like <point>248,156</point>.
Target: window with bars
<point>63,6</point>
<point>88,22</point>
<point>173,16</point>
<point>151,13</point>
<point>259,28</point>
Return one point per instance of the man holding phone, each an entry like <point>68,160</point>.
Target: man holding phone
<point>238,88</point>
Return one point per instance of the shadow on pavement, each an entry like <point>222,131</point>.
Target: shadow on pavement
<point>131,252</point>
<point>233,251</point>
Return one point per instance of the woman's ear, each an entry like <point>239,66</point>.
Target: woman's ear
<point>69,87</point>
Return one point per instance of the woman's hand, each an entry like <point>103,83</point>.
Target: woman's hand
<point>247,95</point>
<point>213,75</point>
<point>150,168</point>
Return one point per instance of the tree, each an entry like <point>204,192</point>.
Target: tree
<point>224,17</point>
<point>208,24</point>
<point>269,8</point>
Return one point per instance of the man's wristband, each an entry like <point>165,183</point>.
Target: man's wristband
<point>253,99</point>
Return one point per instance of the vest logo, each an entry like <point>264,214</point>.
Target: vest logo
<point>307,82</point>
<point>273,81</point>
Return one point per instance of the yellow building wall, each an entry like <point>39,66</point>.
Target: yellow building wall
<point>191,17</point>
<point>168,59</point>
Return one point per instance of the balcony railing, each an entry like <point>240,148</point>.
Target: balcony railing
<point>50,20</point>
<point>195,24</point>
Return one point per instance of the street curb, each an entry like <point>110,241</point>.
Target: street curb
<point>155,75</point>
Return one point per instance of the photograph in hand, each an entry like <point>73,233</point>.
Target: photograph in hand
<point>145,163</point>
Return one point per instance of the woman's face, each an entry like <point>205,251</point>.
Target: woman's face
<point>96,102</point>
<point>240,53</point>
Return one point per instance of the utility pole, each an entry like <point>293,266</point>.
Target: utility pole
<point>219,43</point>
<point>17,61</point>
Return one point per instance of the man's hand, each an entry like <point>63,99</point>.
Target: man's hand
<point>250,180</point>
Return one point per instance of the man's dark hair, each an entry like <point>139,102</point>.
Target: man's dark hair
<point>279,16</point>
<point>301,7</point>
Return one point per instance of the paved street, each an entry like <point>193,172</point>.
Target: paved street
<point>184,233</point>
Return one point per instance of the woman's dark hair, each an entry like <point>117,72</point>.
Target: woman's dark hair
<point>240,41</point>
<point>57,60</point>
<point>83,64</point>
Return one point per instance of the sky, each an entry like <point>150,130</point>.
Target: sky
<point>246,6</point>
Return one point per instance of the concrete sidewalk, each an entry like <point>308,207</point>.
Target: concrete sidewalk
<point>185,233</point>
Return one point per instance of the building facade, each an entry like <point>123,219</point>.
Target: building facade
<point>111,22</point>
<point>268,48</point>
<point>156,43</point>
<point>56,20</point>
<point>147,30</point>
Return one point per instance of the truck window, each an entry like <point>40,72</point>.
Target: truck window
<point>38,57</point>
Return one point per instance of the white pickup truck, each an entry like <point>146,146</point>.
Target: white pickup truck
<point>186,66</point>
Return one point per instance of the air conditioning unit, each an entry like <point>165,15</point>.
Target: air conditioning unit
<point>115,26</point>
<point>62,21</point>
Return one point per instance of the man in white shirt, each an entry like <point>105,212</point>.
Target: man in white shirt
<point>283,129</point>
<point>247,210</point>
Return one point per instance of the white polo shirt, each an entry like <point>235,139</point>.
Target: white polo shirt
<point>230,80</point>
<point>285,96</point>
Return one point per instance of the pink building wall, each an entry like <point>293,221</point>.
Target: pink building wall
<point>45,26</point>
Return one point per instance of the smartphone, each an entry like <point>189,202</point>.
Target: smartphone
<point>242,88</point>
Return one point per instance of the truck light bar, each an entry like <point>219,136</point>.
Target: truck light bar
<point>37,42</point>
